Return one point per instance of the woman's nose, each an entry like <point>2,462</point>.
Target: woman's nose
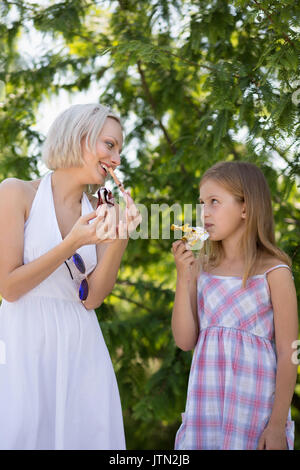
<point>116,159</point>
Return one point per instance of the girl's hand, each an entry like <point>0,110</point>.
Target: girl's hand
<point>273,438</point>
<point>184,259</point>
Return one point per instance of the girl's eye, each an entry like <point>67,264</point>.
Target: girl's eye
<point>109,144</point>
<point>202,203</point>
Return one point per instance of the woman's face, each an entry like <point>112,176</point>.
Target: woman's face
<point>223,214</point>
<point>108,149</point>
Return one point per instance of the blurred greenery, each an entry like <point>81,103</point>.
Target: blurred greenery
<point>195,82</point>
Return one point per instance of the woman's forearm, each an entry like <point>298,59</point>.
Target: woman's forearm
<point>24,278</point>
<point>103,278</point>
<point>286,377</point>
<point>184,325</point>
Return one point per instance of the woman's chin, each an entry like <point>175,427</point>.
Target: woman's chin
<point>99,179</point>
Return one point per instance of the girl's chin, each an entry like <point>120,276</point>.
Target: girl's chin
<point>214,238</point>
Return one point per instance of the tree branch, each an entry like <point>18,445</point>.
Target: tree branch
<point>153,106</point>
<point>271,21</point>
<point>132,302</point>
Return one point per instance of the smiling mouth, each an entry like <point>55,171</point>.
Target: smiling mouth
<point>103,167</point>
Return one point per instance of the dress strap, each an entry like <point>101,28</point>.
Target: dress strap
<point>36,205</point>
<point>278,266</point>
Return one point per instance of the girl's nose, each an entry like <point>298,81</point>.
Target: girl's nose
<point>204,209</point>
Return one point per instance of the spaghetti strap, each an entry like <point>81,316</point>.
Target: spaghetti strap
<point>279,266</point>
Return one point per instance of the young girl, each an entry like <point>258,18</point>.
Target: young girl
<point>58,389</point>
<point>237,307</point>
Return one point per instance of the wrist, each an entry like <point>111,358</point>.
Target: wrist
<point>119,242</point>
<point>70,246</point>
<point>182,278</point>
<point>276,422</point>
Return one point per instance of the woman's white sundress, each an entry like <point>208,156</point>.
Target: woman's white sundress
<point>58,389</point>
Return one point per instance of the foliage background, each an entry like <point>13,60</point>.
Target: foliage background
<point>196,82</point>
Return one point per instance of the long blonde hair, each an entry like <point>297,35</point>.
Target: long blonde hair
<point>246,182</point>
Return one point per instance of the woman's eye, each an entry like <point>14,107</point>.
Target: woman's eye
<point>214,200</point>
<point>110,144</point>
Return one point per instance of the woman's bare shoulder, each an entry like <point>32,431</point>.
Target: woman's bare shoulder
<point>14,183</point>
<point>23,191</point>
<point>20,187</point>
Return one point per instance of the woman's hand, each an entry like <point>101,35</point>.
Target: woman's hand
<point>118,223</point>
<point>84,233</point>
<point>184,259</point>
<point>130,219</point>
<point>107,222</point>
<point>273,438</point>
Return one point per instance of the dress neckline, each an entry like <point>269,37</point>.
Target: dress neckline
<point>53,207</point>
<point>232,277</point>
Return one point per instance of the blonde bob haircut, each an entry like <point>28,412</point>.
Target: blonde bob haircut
<point>62,147</point>
<point>247,184</point>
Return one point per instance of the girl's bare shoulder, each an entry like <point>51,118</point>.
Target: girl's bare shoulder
<point>204,263</point>
<point>267,262</point>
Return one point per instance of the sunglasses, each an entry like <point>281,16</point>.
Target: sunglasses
<point>79,263</point>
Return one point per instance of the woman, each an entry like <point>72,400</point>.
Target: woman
<point>57,386</point>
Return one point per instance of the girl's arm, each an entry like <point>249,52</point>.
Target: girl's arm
<point>185,326</point>
<point>284,301</point>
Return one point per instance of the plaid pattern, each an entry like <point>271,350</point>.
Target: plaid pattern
<point>232,379</point>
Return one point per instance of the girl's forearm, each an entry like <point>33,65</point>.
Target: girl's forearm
<point>184,326</point>
<point>24,278</point>
<point>103,278</point>
<point>286,377</point>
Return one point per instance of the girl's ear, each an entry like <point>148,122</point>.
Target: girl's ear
<point>244,212</point>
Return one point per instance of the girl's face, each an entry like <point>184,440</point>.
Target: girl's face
<point>223,215</point>
<point>108,149</point>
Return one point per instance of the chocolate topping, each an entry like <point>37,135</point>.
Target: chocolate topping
<point>105,196</point>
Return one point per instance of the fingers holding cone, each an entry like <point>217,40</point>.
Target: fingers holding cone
<point>132,215</point>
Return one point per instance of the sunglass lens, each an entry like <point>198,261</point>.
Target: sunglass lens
<point>79,263</point>
<point>83,290</point>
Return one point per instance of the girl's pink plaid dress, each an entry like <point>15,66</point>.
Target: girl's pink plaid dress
<point>232,379</point>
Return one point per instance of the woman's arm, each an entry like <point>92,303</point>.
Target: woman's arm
<point>109,255</point>
<point>284,301</point>
<point>16,278</point>
<point>185,326</point>
<point>103,278</point>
